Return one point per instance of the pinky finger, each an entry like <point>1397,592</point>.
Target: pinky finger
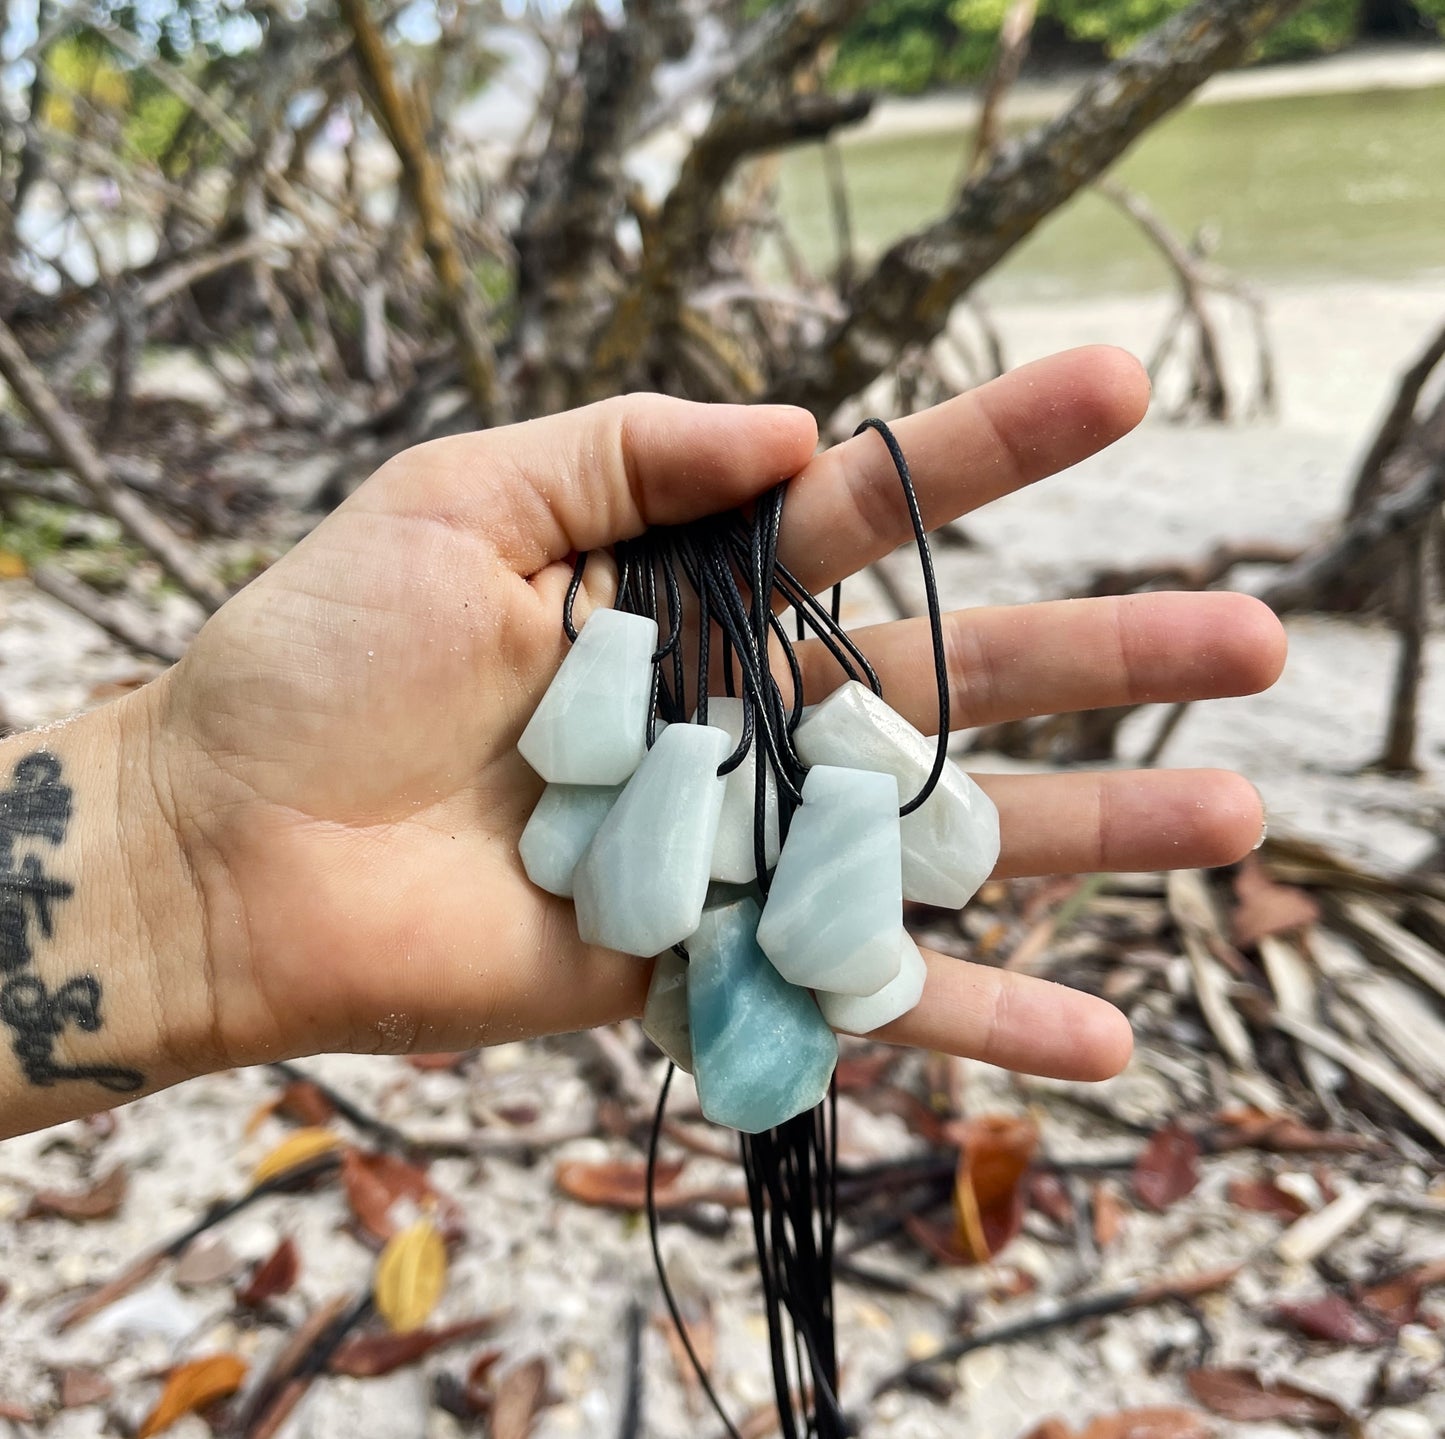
<point>1015,1021</point>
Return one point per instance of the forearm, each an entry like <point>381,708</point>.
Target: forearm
<point>104,991</point>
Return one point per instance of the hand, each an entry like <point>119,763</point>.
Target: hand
<point>338,748</point>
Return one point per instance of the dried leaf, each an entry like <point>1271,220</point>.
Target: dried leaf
<point>123,1283</point>
<point>614,1183</point>
<point>410,1276</point>
<point>1267,907</point>
<point>518,1396</point>
<point>78,1387</point>
<point>1168,1169</point>
<point>939,1241</point>
<point>863,1069</point>
<point>305,1103</point>
<point>1264,1196</point>
<point>294,1151</point>
<point>1241,1394</point>
<point>1048,1195</point>
<point>377,1183</point>
<point>20,1413</point>
<point>274,1275</point>
<point>1156,1422</point>
<point>1396,1301</point>
<point>12,566</point>
<point>207,1260</point>
<point>193,1387</point>
<point>100,1201</point>
<point>1110,1212</point>
<point>1331,1317</point>
<point>367,1356</point>
<point>988,1194</point>
<point>1246,1128</point>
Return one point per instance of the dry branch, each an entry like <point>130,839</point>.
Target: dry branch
<point>907,298</point>
<point>81,458</point>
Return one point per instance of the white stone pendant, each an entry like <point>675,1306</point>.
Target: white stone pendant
<point>642,883</point>
<point>950,842</point>
<point>762,1051</point>
<point>733,860</point>
<point>835,905</point>
<point>863,1013</point>
<point>664,1015</point>
<point>559,831</point>
<point>591,725</point>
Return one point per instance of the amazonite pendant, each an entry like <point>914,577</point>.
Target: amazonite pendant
<point>559,831</point>
<point>733,860</point>
<point>863,1013</point>
<point>664,1015</point>
<point>591,725</point>
<point>834,912</point>
<point>761,1049</point>
<point>950,842</point>
<point>642,883</point>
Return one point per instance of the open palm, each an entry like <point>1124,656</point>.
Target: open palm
<point>340,741</point>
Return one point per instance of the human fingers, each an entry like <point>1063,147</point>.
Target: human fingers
<point>846,508</point>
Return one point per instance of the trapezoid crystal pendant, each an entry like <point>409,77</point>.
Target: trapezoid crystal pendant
<point>642,883</point>
<point>733,857</point>
<point>561,827</point>
<point>951,841</point>
<point>761,1049</point>
<point>591,725</point>
<point>863,1013</point>
<point>834,912</point>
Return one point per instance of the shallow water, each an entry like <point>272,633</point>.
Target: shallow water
<point>1313,187</point>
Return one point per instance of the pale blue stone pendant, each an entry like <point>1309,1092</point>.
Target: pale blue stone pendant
<point>761,1049</point>
<point>642,883</point>
<point>863,1013</point>
<point>951,841</point>
<point>559,831</point>
<point>591,725</point>
<point>835,905</point>
<point>733,859</point>
<point>664,1015</point>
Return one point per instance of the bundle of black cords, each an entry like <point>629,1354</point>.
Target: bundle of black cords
<point>736,593</point>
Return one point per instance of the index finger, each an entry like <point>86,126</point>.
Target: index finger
<point>846,508</point>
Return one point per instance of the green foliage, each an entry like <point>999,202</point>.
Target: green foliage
<point>911,45</point>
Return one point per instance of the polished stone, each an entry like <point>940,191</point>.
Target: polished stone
<point>863,1013</point>
<point>762,1051</point>
<point>559,831</point>
<point>950,843</point>
<point>641,885</point>
<point>733,860</point>
<point>664,1015</point>
<point>591,725</point>
<point>835,905</point>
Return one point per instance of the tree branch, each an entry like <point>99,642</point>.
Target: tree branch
<point>907,298</point>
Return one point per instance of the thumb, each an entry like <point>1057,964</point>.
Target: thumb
<point>590,477</point>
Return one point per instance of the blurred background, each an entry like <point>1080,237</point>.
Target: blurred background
<point>248,251</point>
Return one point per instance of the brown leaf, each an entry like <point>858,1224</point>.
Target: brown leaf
<point>863,1069</point>
<point>519,1394</point>
<point>78,1387</point>
<point>304,1103</point>
<point>367,1356</point>
<point>1110,1212</point>
<point>1267,907</point>
<point>274,1275</point>
<point>410,1276</point>
<point>614,1183</point>
<point>1396,1301</point>
<point>988,1194</point>
<point>206,1260</point>
<point>1050,1429</point>
<point>1241,1394</point>
<point>1264,1196</point>
<point>128,1279</point>
<point>1168,1169</point>
<point>1048,1195</point>
<point>1155,1422</point>
<point>100,1201</point>
<point>20,1413</point>
<point>1330,1317</point>
<point>939,1241</point>
<point>193,1387</point>
<point>1246,1128</point>
<point>377,1183</point>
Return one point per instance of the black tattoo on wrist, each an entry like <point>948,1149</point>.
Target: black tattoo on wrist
<point>37,807</point>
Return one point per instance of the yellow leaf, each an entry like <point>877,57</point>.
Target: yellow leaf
<point>12,566</point>
<point>294,1151</point>
<point>410,1276</point>
<point>192,1387</point>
